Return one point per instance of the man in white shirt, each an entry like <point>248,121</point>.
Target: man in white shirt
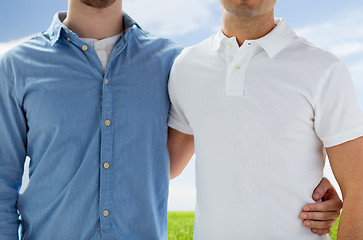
<point>264,107</point>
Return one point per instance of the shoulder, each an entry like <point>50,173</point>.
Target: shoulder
<point>192,56</point>
<point>318,69</point>
<point>19,61</point>
<point>311,55</point>
<point>22,52</point>
<point>156,44</point>
<point>201,49</point>
<point>189,63</point>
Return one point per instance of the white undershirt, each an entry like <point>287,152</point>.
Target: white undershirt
<point>102,47</point>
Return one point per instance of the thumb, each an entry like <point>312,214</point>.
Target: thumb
<point>321,189</point>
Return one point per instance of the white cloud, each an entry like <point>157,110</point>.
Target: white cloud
<point>342,35</point>
<point>182,192</point>
<point>356,71</point>
<point>347,48</point>
<point>172,17</point>
<point>5,46</point>
<point>182,197</point>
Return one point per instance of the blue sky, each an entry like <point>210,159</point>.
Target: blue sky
<point>332,25</point>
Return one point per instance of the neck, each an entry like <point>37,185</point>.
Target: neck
<point>88,22</point>
<point>247,28</point>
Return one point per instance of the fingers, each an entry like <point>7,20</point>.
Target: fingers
<point>319,224</point>
<point>321,231</point>
<point>320,216</point>
<point>321,189</point>
<point>326,206</point>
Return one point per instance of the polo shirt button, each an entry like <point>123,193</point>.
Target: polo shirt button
<point>68,39</point>
<point>236,67</point>
<point>106,81</point>
<point>107,122</point>
<point>84,48</point>
<point>105,213</point>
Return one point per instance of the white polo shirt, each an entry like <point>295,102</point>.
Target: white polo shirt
<point>261,115</point>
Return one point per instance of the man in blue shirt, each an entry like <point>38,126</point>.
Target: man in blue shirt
<point>95,131</point>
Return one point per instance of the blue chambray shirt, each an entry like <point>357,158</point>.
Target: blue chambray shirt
<point>97,141</point>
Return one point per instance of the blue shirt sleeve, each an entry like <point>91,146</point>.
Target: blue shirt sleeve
<point>12,157</point>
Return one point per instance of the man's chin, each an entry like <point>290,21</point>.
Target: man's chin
<point>98,3</point>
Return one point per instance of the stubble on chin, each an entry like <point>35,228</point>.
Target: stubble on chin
<point>244,11</point>
<point>242,8</point>
<point>98,3</point>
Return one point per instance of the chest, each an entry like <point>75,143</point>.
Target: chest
<point>273,101</point>
<point>70,96</point>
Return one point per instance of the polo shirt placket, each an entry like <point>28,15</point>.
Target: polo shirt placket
<point>237,68</point>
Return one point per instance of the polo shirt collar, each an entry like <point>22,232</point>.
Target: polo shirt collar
<point>273,43</point>
<point>55,29</point>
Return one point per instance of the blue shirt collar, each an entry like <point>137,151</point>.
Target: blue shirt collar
<point>55,29</point>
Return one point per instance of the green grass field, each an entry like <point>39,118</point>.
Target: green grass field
<point>180,226</point>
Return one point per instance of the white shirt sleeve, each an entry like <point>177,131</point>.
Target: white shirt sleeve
<point>338,117</point>
<point>177,118</point>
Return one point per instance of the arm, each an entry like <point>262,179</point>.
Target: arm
<point>346,161</point>
<point>321,216</point>
<point>12,156</point>
<point>180,133</point>
<point>337,120</point>
<point>181,150</point>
